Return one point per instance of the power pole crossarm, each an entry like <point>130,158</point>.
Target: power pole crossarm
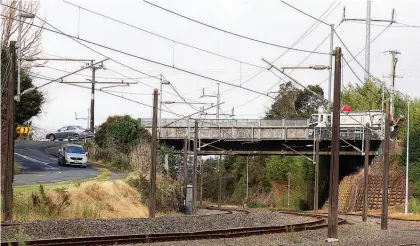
<point>368,20</point>
<point>58,79</point>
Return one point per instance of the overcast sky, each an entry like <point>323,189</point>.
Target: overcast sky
<point>268,20</point>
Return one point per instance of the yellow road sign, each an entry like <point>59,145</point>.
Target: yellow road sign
<point>23,129</point>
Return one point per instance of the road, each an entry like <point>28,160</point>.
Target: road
<point>39,167</point>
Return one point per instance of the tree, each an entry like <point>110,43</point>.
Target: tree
<point>123,132</point>
<point>30,104</point>
<point>307,103</point>
<point>31,36</point>
<point>292,102</point>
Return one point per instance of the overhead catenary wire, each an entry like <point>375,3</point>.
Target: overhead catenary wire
<point>276,84</point>
<point>125,98</point>
<point>351,54</point>
<point>90,76</point>
<point>141,58</point>
<point>302,12</point>
<point>232,33</point>
<point>358,53</point>
<point>301,38</point>
<point>163,37</point>
<point>311,28</point>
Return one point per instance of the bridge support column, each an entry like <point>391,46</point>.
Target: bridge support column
<point>316,186</point>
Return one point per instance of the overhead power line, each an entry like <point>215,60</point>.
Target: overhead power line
<point>307,32</point>
<point>232,33</point>
<point>354,58</point>
<point>136,56</point>
<point>161,36</point>
<point>358,53</point>
<point>302,37</point>
<point>90,76</point>
<point>310,16</point>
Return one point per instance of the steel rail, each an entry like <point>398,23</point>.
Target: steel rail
<point>319,223</point>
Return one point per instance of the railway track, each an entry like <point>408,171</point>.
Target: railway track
<point>319,223</point>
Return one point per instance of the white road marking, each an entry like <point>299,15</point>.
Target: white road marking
<point>37,161</point>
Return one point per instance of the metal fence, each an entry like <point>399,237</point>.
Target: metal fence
<point>147,122</point>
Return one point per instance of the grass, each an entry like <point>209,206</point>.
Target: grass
<point>88,200</point>
<point>16,169</point>
<point>95,197</point>
<point>21,238</point>
<point>414,206</point>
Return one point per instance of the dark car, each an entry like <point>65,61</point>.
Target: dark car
<point>70,132</point>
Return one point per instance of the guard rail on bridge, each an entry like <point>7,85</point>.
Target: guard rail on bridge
<point>253,130</point>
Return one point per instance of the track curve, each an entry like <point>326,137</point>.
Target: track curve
<point>319,223</point>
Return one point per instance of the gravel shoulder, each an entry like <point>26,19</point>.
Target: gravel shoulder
<point>352,234</point>
<point>80,228</point>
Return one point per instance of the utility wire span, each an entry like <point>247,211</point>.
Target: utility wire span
<point>302,12</point>
<point>128,77</point>
<point>140,58</point>
<point>90,76</point>
<point>163,37</point>
<point>358,53</point>
<point>348,50</point>
<point>311,28</point>
<point>232,33</point>
<point>76,39</point>
<point>60,78</point>
<point>301,38</point>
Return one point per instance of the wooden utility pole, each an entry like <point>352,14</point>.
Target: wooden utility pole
<point>201,182</point>
<point>92,96</point>
<point>366,175</point>
<point>384,217</point>
<point>10,121</point>
<point>185,168</point>
<point>392,94</point>
<point>194,206</point>
<point>152,198</point>
<point>335,150</point>
<point>219,196</point>
<point>92,99</point>
<point>316,186</point>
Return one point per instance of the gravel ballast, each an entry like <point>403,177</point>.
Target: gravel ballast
<point>352,234</point>
<point>80,228</point>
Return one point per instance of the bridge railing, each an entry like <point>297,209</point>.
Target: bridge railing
<point>254,129</point>
<point>147,122</point>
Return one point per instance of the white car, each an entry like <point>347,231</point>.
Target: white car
<point>72,154</point>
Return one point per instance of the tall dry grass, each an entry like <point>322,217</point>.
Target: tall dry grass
<point>90,200</point>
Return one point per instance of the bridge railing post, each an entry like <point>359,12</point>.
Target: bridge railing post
<point>283,134</point>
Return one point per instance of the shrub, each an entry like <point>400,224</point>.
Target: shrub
<point>416,192</point>
<point>414,204</point>
<point>168,192</point>
<point>123,131</point>
<point>255,205</point>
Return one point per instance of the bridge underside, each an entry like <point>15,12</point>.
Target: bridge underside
<point>272,147</point>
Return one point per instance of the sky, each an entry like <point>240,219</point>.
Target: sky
<point>270,20</point>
